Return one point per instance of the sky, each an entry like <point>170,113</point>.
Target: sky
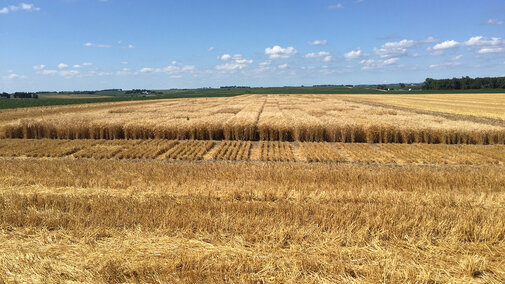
<point>58,45</point>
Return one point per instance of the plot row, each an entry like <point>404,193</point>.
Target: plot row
<point>260,151</point>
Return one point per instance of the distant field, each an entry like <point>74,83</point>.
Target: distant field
<point>486,105</point>
<point>112,96</point>
<point>71,96</point>
<point>311,118</point>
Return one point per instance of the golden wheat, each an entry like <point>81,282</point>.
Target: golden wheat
<point>188,150</point>
<point>327,118</point>
<point>276,151</point>
<point>233,150</point>
<point>118,221</point>
<point>320,152</point>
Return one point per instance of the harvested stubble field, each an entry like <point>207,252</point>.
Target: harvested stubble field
<point>154,221</point>
<point>297,206</point>
<point>313,118</point>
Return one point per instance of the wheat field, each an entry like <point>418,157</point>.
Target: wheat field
<point>305,118</point>
<point>253,189</point>
<point>153,221</point>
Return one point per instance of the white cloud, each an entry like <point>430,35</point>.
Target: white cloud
<point>317,54</point>
<point>446,45</point>
<point>20,7</point>
<point>174,62</point>
<point>318,42</point>
<point>39,67</point>
<point>494,22</point>
<point>371,64</point>
<point>47,72</point>
<point>124,62</point>
<point>63,73</point>
<point>283,66</point>
<point>68,73</point>
<point>225,57</point>
<point>456,57</point>
<point>171,69</point>
<point>90,44</point>
<point>131,46</point>
<point>124,71</point>
<point>279,52</point>
<point>394,49</point>
<point>87,64</point>
<point>390,61</point>
<point>265,63</point>
<point>483,41</point>
<point>62,66</point>
<point>487,45</point>
<point>326,56</point>
<point>210,48</point>
<point>76,66</point>
<point>491,50</point>
<point>336,6</point>
<point>235,62</point>
<point>147,70</point>
<point>353,54</point>
<point>12,76</point>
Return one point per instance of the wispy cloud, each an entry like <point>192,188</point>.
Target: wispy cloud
<point>336,6</point>
<point>353,54</point>
<point>20,7</point>
<point>321,54</point>
<point>494,22</point>
<point>39,67</point>
<point>90,44</point>
<point>235,62</point>
<point>13,76</point>
<point>318,42</point>
<point>395,49</point>
<point>371,64</point>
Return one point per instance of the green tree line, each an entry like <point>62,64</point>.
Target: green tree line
<point>464,83</point>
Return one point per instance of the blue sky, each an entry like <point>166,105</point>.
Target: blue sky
<point>98,44</point>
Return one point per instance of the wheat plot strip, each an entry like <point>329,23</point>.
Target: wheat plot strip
<point>276,151</point>
<point>364,153</point>
<point>189,150</point>
<point>320,152</point>
<point>233,150</point>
